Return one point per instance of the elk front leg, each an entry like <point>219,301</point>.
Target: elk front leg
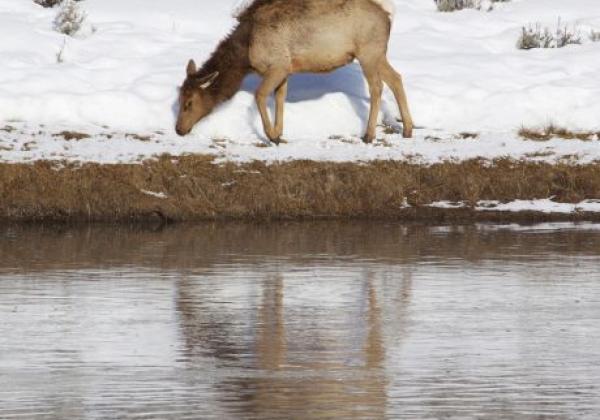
<point>394,81</point>
<point>269,83</point>
<point>375,90</point>
<point>280,95</point>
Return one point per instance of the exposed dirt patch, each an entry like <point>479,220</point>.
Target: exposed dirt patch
<point>540,154</point>
<point>8,129</point>
<point>466,136</point>
<point>433,138</point>
<point>72,135</point>
<point>194,188</point>
<point>139,137</point>
<point>27,147</point>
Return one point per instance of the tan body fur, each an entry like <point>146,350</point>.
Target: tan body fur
<point>277,38</point>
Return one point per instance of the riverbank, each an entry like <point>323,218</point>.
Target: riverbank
<point>198,188</point>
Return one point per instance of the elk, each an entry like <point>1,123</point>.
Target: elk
<point>277,38</point>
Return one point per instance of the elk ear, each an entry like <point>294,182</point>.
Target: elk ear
<point>191,68</point>
<point>209,80</point>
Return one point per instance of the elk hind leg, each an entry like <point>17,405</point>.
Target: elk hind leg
<point>393,79</point>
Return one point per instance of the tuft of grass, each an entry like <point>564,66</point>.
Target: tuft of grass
<point>551,131</point>
<point>594,36</point>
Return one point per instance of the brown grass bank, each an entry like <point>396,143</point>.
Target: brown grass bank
<point>194,188</point>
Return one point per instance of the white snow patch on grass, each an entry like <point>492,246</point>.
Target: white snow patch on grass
<point>541,227</point>
<point>540,206</point>
<point>160,195</point>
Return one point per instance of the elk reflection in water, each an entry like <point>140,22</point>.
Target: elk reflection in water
<point>297,357</point>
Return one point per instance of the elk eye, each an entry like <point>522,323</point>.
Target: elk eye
<point>188,105</point>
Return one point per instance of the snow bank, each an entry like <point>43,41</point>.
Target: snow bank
<point>462,73</point>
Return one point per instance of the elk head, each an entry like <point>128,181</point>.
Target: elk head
<point>194,101</point>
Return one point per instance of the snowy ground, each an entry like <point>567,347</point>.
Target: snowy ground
<point>118,83</point>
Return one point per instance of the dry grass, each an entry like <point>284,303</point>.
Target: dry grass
<point>194,188</point>
<point>551,131</point>
<point>391,129</point>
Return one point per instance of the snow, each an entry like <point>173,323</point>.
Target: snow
<point>540,206</point>
<point>461,70</point>
<point>541,227</point>
<point>160,195</point>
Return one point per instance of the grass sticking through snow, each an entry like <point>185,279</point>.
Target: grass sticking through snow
<point>551,131</point>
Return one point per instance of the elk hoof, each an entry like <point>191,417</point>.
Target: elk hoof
<point>276,141</point>
<point>367,139</point>
<point>407,134</point>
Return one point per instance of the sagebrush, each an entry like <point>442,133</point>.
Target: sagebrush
<point>70,18</point>
<point>49,3</point>
<point>537,37</point>
<point>454,5</point>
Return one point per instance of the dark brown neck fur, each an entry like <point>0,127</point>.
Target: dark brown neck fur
<point>231,60</point>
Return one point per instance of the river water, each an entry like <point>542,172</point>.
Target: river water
<point>300,320</point>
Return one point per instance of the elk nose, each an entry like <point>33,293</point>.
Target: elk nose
<point>179,131</point>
